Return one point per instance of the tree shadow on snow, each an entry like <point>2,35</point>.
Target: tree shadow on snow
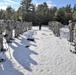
<point>22,54</point>
<point>7,68</point>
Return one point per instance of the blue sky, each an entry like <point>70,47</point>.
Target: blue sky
<point>16,3</point>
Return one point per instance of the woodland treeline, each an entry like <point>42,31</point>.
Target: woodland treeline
<point>41,13</point>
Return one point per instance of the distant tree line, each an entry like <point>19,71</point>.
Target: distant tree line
<point>40,13</point>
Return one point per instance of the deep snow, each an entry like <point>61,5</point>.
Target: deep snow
<point>47,55</point>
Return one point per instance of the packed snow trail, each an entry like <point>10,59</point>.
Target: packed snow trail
<point>48,55</point>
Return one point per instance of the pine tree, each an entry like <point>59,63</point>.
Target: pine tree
<point>27,10</point>
<point>26,5</point>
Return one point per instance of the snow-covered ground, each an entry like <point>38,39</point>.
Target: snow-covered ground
<point>47,55</point>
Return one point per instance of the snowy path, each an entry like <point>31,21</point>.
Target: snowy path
<point>48,55</point>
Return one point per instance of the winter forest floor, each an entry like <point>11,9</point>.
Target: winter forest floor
<point>47,55</point>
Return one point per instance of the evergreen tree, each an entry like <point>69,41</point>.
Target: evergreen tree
<point>74,16</point>
<point>2,14</point>
<point>26,7</point>
<point>43,13</point>
<point>9,12</point>
<point>60,15</point>
<point>74,8</point>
